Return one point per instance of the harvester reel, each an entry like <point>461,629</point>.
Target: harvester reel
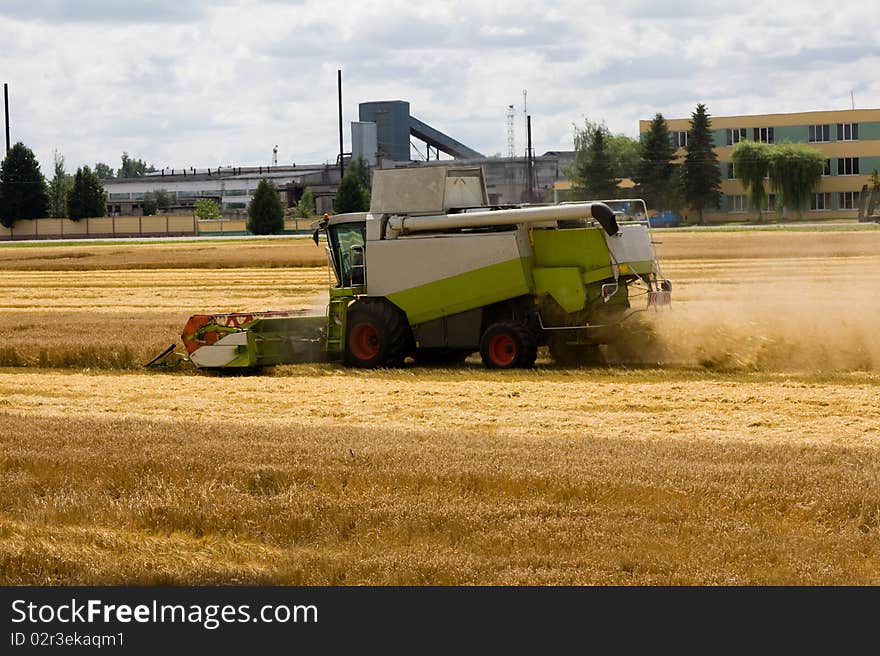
<point>378,335</point>
<point>509,345</point>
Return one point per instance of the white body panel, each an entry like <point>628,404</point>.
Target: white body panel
<point>398,264</point>
<point>631,244</point>
<point>221,353</point>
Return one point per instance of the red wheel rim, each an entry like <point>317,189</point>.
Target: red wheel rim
<point>502,349</point>
<point>363,341</point>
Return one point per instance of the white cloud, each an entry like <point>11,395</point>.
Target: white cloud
<point>188,83</point>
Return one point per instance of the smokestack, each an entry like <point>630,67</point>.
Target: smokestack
<point>339,94</point>
<point>6,108</point>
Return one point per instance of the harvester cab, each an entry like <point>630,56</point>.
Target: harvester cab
<point>435,272</point>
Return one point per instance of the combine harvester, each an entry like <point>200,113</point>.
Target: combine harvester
<point>434,273</point>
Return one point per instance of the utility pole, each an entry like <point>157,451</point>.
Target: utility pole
<point>339,93</point>
<point>6,109</point>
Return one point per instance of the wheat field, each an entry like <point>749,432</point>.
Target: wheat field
<point>741,446</point>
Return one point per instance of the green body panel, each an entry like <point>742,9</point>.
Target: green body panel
<point>564,284</point>
<point>466,291</point>
<point>584,248</point>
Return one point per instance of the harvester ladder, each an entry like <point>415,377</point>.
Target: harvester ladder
<point>337,311</point>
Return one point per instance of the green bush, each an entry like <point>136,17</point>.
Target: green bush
<point>207,209</point>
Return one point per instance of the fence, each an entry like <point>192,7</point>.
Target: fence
<point>164,225</point>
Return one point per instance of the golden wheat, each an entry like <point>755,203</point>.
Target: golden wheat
<point>750,457</point>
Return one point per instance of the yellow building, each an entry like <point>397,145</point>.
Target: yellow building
<point>849,139</point>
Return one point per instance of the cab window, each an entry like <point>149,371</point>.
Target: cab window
<point>347,245</point>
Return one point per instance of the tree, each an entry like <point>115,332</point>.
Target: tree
<point>59,187</point>
<point>351,196</point>
<point>656,169</point>
<point>207,209</point>
<point>795,171</point>
<point>158,199</point>
<point>23,193</point>
<point>265,214</point>
<point>103,171</point>
<point>751,161</point>
<point>306,205</point>
<point>702,175</point>
<point>359,170</point>
<point>623,151</point>
<point>86,198</point>
<point>593,171</point>
<point>133,168</point>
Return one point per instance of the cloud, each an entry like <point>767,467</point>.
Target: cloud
<point>105,11</point>
<point>191,83</point>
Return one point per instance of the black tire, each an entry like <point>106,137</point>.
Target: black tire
<point>377,335</point>
<point>440,356</point>
<point>578,355</point>
<point>508,345</point>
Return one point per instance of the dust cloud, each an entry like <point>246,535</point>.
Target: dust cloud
<point>818,321</point>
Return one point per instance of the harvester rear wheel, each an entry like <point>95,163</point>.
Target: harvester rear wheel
<point>378,335</point>
<point>508,345</point>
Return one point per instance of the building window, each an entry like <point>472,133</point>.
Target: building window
<point>820,133</point>
<point>736,203</point>
<point>680,139</point>
<point>731,171</point>
<point>847,131</point>
<point>848,166</point>
<point>827,169</point>
<point>770,203</point>
<point>820,201</point>
<point>735,135</point>
<point>764,135</point>
<point>848,200</point>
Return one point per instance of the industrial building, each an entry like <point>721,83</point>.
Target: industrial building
<point>849,140</point>
<point>232,188</point>
<point>382,136</point>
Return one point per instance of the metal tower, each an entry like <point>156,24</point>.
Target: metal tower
<point>511,149</point>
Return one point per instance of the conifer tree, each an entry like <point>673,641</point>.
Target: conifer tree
<point>656,169</point>
<point>702,175</point>
<point>23,193</point>
<point>265,214</point>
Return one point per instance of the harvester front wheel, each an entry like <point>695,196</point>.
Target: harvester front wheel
<point>508,345</point>
<point>378,335</point>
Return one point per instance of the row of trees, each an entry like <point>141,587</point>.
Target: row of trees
<point>603,159</point>
<point>25,193</point>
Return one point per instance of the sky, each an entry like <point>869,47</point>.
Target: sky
<point>183,83</point>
